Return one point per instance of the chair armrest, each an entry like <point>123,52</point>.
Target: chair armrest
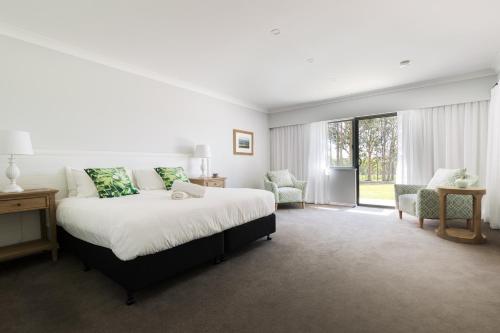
<point>301,185</point>
<point>272,187</point>
<point>400,189</point>
<point>427,205</point>
<point>457,206</point>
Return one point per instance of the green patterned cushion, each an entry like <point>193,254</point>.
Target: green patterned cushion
<point>170,174</point>
<point>111,182</point>
<point>282,178</point>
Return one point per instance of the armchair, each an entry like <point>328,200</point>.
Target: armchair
<point>293,192</point>
<point>423,203</point>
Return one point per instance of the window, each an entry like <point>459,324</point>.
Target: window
<point>340,138</point>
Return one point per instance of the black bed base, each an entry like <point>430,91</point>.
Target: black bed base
<point>150,269</point>
<point>241,235</point>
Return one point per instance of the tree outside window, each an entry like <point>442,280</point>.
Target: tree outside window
<point>340,137</point>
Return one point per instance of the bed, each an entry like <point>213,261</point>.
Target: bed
<point>139,240</point>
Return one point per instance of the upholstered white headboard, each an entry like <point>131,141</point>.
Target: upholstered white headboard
<point>47,167</point>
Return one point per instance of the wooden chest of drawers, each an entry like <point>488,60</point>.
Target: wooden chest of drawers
<point>210,182</point>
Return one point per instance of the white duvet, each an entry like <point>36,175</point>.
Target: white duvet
<point>150,222</point>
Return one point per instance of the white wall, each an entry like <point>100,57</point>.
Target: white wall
<point>72,104</point>
<point>436,95</point>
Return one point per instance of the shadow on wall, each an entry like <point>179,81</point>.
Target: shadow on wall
<point>184,146</point>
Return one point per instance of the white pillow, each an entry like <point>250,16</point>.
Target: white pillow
<point>148,179</point>
<point>70,183</point>
<point>85,187</point>
<point>445,177</point>
<point>79,184</point>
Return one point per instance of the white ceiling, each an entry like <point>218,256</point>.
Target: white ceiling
<point>225,46</point>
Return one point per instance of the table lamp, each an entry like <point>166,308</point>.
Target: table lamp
<point>203,152</point>
<point>14,143</point>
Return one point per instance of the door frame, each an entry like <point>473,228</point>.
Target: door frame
<point>355,142</point>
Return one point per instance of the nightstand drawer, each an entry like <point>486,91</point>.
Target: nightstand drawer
<point>23,204</point>
<point>215,183</point>
<point>210,182</point>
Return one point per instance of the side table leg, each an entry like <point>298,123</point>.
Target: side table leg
<point>53,226</point>
<point>470,224</point>
<point>476,221</point>
<point>442,215</point>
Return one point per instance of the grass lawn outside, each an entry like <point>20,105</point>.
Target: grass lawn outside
<point>376,193</point>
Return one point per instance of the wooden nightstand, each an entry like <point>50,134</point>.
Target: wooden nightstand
<point>210,182</point>
<point>42,200</point>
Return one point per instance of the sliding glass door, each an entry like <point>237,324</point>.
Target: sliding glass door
<point>369,145</point>
<point>376,150</point>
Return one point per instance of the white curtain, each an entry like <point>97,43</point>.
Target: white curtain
<point>289,149</point>
<point>451,136</point>
<point>303,149</point>
<point>492,198</point>
<point>318,189</point>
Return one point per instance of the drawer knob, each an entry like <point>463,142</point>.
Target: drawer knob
<point>18,204</point>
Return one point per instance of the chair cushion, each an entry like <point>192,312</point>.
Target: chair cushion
<point>445,177</point>
<point>282,178</point>
<point>407,203</point>
<point>289,194</point>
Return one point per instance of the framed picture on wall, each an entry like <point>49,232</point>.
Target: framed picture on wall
<point>242,142</point>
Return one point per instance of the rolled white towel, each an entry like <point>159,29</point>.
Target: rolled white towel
<point>193,190</point>
<point>179,195</point>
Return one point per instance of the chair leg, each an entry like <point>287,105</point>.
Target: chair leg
<point>400,214</point>
<point>86,267</point>
<point>421,222</point>
<point>470,225</point>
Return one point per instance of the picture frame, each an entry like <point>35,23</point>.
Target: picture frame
<point>242,142</point>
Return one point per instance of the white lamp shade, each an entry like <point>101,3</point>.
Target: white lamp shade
<point>15,143</point>
<point>202,151</point>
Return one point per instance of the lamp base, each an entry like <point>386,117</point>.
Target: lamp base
<point>12,173</point>
<point>203,168</point>
<point>12,188</point>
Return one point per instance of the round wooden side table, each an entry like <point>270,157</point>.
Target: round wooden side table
<point>462,235</point>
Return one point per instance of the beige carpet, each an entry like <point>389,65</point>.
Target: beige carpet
<point>326,269</point>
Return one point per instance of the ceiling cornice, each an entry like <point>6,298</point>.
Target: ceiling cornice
<point>385,91</point>
<point>52,44</point>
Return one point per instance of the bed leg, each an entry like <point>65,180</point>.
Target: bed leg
<point>130,298</point>
<point>268,237</point>
<point>86,267</point>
